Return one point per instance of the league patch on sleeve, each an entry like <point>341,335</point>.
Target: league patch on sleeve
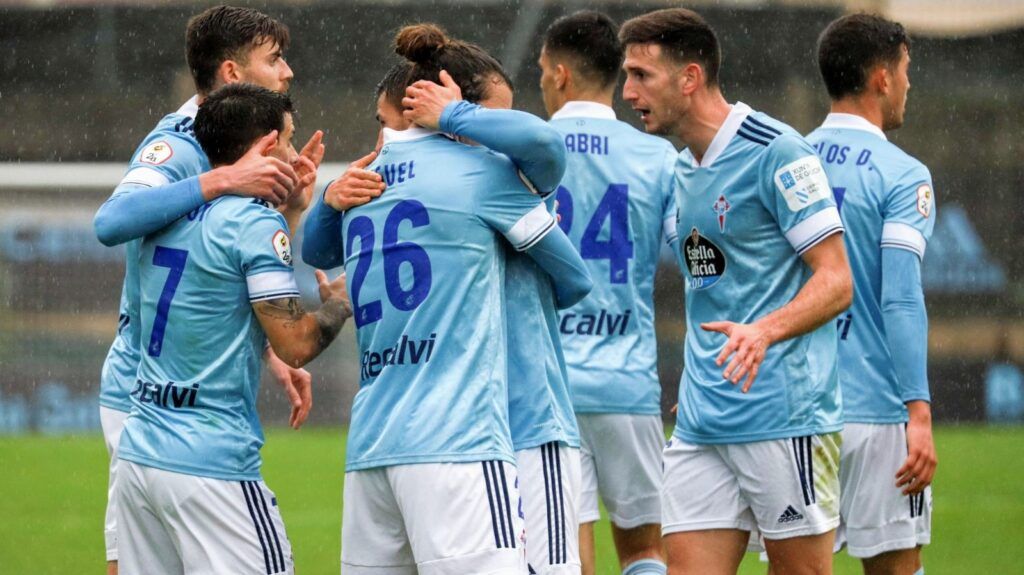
<point>156,153</point>
<point>802,183</point>
<point>283,247</point>
<point>924,200</point>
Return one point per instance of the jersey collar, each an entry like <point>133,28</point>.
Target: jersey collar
<point>851,122</point>
<point>190,108</point>
<point>737,114</point>
<point>583,109</point>
<point>413,133</point>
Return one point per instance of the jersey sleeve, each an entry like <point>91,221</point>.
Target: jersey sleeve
<point>523,218</point>
<point>264,253</point>
<point>165,157</point>
<point>668,190</point>
<point>795,189</point>
<point>908,212</point>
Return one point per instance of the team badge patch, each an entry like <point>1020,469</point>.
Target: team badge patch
<point>803,183</point>
<point>283,247</point>
<point>156,153</point>
<point>705,262</point>
<point>924,200</point>
<point>721,207</point>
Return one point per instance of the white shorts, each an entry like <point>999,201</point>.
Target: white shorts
<point>876,516</point>
<point>550,485</point>
<point>776,489</point>
<point>433,519</point>
<point>112,422</point>
<point>176,523</point>
<point>621,459</point>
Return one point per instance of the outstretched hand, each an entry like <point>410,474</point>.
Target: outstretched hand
<point>356,186</point>
<point>747,346</point>
<point>259,175</point>
<point>297,384</point>
<point>306,165</point>
<point>425,101</point>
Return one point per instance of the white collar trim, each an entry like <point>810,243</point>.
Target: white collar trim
<point>584,109</point>
<point>737,114</point>
<point>190,107</point>
<point>852,122</point>
<point>413,133</point>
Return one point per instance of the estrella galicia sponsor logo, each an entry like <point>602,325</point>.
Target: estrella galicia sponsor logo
<point>167,395</point>
<point>705,262</point>
<point>790,515</point>
<point>405,352</point>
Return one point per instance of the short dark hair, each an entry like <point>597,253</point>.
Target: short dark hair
<point>850,46</point>
<point>430,50</point>
<point>227,33</point>
<point>590,41</point>
<point>683,35</point>
<point>234,116</point>
<point>394,82</point>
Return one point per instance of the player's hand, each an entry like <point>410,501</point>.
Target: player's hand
<point>919,468</point>
<point>259,175</point>
<point>747,346</point>
<point>297,383</point>
<point>356,186</point>
<point>424,101</point>
<point>333,290</point>
<point>306,165</point>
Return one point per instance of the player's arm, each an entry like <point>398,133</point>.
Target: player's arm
<point>668,222</point>
<point>297,384</point>
<point>298,336</point>
<point>150,198</point>
<point>531,143</point>
<point>569,276</point>
<point>322,245</point>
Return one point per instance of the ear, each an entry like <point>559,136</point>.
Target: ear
<point>229,72</point>
<point>879,80</point>
<point>562,76</point>
<point>690,78</point>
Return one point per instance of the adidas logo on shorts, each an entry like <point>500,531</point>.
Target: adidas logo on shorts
<point>790,515</point>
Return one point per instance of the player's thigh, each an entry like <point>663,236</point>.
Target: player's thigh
<point>803,555</point>
<point>792,486</point>
<point>700,492</point>
<point>899,562</point>
<point>146,545</point>
<point>877,517</point>
<point>373,536</point>
<point>462,518</point>
<point>627,457</point>
<point>706,552</point>
<point>222,526</point>
<point>112,422</point>
<point>549,480</point>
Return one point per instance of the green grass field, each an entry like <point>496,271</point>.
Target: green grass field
<point>51,512</point>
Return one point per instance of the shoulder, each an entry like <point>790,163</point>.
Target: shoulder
<point>243,212</point>
<point>171,143</point>
<point>907,166</point>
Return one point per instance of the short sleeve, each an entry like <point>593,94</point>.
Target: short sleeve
<point>265,253</point>
<point>507,206</point>
<point>909,212</point>
<point>796,191</point>
<point>163,158</point>
<point>668,190</point>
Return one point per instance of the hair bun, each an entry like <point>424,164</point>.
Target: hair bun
<point>419,43</point>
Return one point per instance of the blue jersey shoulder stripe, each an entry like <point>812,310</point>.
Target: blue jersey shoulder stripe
<point>763,126</point>
<point>753,129</point>
<point>750,137</point>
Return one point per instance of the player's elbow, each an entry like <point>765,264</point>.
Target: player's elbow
<point>106,228</point>
<point>552,149</point>
<point>572,292</point>
<point>843,288</point>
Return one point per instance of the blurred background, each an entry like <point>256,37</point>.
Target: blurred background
<point>85,80</point>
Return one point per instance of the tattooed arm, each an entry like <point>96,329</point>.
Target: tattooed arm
<point>298,336</point>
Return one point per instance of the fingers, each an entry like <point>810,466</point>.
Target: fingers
<point>321,278</point>
<point>751,377</point>
<point>719,326</point>
<point>265,144</point>
<point>730,346</point>
<point>447,81</point>
<point>314,148</point>
<point>366,161</point>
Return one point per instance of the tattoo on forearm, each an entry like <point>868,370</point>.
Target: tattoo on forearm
<point>330,318</point>
<point>289,309</point>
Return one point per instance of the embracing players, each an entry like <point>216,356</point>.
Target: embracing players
<point>887,204</point>
<point>756,443</point>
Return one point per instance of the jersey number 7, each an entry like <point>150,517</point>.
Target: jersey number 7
<point>618,248</point>
<point>175,260</point>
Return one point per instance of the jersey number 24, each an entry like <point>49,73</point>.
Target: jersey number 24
<point>618,248</point>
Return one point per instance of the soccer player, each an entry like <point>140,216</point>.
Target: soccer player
<point>169,176</point>
<point>615,204</point>
<point>887,203</point>
<point>756,442</point>
<point>447,205</point>
<point>214,286</point>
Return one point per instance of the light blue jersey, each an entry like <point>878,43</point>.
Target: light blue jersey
<point>756,202</point>
<point>426,271</point>
<point>194,401</point>
<point>886,200</point>
<point>616,204</point>
<point>169,153</point>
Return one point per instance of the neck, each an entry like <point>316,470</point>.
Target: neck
<point>605,97</point>
<point>862,107</point>
<point>699,124</point>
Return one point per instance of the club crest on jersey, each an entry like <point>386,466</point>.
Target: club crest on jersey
<point>721,207</point>
<point>924,200</point>
<point>156,153</point>
<point>705,262</point>
<point>283,247</point>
